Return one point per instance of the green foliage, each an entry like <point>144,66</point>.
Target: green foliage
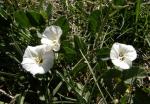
<point>22,19</point>
<point>36,19</point>
<point>28,18</point>
<point>49,10</point>
<point>63,23</point>
<point>95,21</point>
<point>83,72</point>
<point>79,44</point>
<point>119,2</point>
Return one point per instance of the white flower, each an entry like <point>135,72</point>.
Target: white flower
<point>122,55</point>
<point>51,36</point>
<point>38,59</point>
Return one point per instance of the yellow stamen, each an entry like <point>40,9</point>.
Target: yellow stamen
<point>38,60</point>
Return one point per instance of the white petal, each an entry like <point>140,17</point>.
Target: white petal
<point>30,52</point>
<point>35,51</point>
<point>28,60</point>
<point>52,33</point>
<point>127,52</point>
<point>46,41</point>
<point>114,53</point>
<point>34,68</point>
<point>48,61</point>
<point>130,53</point>
<point>31,66</point>
<point>126,64</point>
<point>29,63</point>
<point>40,49</point>
<point>51,37</point>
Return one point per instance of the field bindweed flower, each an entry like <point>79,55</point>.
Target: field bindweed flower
<point>51,36</point>
<point>122,55</point>
<point>38,59</point>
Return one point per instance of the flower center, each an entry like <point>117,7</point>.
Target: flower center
<point>121,56</point>
<point>54,41</point>
<point>38,60</point>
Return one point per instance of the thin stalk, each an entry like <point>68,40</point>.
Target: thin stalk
<point>17,46</point>
<point>63,102</point>
<point>8,74</point>
<point>77,64</point>
<point>6,94</point>
<point>67,98</point>
<point>91,70</point>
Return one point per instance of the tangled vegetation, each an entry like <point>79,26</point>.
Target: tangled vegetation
<point>82,72</point>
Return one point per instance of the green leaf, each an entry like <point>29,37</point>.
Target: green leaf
<point>78,68</point>
<point>100,66</point>
<point>35,18</point>
<point>57,88</point>
<point>2,102</point>
<point>123,100</point>
<point>146,90</point>
<point>94,21</point>
<point>22,19</point>
<point>49,10</point>
<point>103,53</point>
<point>141,97</point>
<point>79,44</point>
<point>80,90</point>
<point>69,50</point>
<point>119,2</point>
<point>110,77</point>
<point>138,9</point>
<point>130,73</point>
<point>112,73</point>
<point>19,99</point>
<point>64,24</point>
<point>66,43</point>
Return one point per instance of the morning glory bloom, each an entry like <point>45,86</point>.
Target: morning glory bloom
<point>122,55</point>
<point>51,36</point>
<point>38,59</point>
